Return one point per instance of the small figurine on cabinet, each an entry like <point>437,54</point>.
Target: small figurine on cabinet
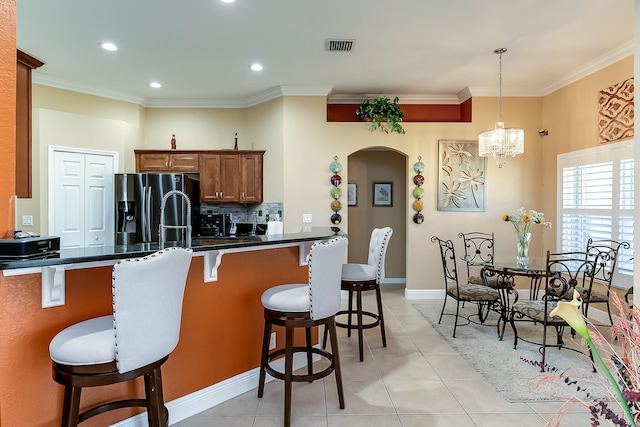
<point>173,142</point>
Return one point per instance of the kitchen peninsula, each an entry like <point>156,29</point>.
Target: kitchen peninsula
<point>219,349</point>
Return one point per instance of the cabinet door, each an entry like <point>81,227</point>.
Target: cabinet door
<point>183,162</point>
<point>209,165</point>
<point>154,162</point>
<point>251,178</point>
<point>229,178</point>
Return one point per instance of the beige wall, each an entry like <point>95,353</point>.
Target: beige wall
<point>300,145</point>
<point>571,117</point>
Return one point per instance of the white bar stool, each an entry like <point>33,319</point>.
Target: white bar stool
<point>133,341</point>
<point>305,306</point>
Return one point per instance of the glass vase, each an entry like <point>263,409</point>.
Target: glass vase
<point>523,240</point>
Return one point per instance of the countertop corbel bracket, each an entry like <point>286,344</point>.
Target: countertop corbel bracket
<point>213,258</point>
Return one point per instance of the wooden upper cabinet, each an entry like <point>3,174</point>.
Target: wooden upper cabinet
<point>226,176</point>
<point>163,161</point>
<point>231,177</point>
<point>25,64</point>
<point>251,178</point>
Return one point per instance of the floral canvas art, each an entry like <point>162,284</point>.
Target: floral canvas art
<point>461,177</point>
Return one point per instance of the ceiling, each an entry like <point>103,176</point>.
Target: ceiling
<point>420,50</point>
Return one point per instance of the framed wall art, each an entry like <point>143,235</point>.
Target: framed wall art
<point>382,194</point>
<point>352,194</point>
<point>461,177</point>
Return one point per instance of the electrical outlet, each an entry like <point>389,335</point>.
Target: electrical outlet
<point>272,341</point>
<point>306,217</point>
<point>27,220</point>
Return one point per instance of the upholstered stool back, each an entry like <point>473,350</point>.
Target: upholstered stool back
<point>378,251</point>
<point>325,271</point>
<point>147,306</point>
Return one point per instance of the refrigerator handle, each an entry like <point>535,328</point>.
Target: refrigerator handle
<point>143,214</point>
<point>149,213</point>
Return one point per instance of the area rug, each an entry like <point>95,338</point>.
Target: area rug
<point>507,369</point>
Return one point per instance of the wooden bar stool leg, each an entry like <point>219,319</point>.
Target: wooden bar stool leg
<point>263,357</point>
<point>309,353</point>
<point>288,376</point>
<point>336,361</point>
<point>71,406</point>
<point>349,313</point>
<point>381,317</point>
<point>360,324</point>
<point>156,414</point>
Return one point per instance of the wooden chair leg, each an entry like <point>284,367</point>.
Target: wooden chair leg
<point>71,406</point>
<point>266,338</point>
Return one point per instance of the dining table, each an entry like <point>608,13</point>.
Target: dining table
<point>501,274</point>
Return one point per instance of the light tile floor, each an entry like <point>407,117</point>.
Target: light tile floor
<point>416,381</point>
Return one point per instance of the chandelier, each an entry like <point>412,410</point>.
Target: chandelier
<point>501,142</point>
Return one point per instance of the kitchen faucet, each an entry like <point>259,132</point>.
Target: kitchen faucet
<point>186,227</point>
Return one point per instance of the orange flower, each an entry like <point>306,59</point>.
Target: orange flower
<point>505,217</point>
<point>526,218</point>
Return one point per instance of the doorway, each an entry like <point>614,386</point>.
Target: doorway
<point>81,203</point>
<point>381,166</point>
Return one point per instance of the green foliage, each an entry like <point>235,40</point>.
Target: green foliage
<point>383,113</point>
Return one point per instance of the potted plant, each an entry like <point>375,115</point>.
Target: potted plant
<point>383,114</point>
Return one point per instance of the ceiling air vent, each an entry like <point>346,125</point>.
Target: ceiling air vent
<point>336,45</point>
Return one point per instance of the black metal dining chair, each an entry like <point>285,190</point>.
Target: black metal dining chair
<point>482,295</point>
<point>565,271</point>
<point>608,251</point>
<point>478,250</point>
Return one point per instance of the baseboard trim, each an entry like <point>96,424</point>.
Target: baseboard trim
<point>201,400</point>
<point>424,293</point>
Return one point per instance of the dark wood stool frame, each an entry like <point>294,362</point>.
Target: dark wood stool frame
<point>74,378</point>
<point>290,321</point>
<point>357,287</point>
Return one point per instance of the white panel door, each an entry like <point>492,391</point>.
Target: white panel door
<point>68,212</point>
<point>81,201</point>
<point>99,210</point>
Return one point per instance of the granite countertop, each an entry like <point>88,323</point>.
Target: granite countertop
<point>106,253</point>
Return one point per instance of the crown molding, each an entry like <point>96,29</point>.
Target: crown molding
<point>599,63</point>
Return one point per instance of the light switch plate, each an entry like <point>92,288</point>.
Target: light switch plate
<point>27,219</point>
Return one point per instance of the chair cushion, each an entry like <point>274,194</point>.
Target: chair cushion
<point>89,342</point>
<point>358,272</point>
<point>477,280</point>
<point>535,310</point>
<point>595,295</point>
<point>287,298</point>
<point>472,292</point>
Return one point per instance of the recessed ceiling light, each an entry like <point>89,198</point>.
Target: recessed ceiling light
<point>256,67</point>
<point>108,46</point>
<point>155,85</point>
<point>228,1</point>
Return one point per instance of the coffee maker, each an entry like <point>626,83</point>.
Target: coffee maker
<point>215,225</point>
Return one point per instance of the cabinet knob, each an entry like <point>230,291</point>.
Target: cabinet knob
<point>166,164</point>
<point>170,164</point>
<point>242,196</point>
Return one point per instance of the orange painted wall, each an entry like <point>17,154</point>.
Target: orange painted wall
<point>220,336</point>
<point>8,110</point>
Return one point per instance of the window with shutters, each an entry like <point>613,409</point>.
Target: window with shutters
<point>595,200</point>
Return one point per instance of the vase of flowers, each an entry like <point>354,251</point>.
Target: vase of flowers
<point>522,222</point>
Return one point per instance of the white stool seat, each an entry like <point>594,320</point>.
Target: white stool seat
<point>359,272</point>
<point>86,343</point>
<point>287,298</point>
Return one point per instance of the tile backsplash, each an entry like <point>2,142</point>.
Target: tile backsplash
<point>247,213</point>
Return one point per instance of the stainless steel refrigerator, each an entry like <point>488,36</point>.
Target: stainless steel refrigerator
<point>138,197</point>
